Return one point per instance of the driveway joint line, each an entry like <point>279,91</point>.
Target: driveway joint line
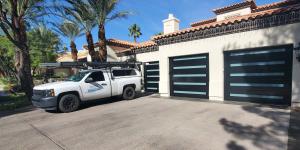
<point>48,137</point>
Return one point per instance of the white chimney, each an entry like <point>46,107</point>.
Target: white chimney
<point>171,24</point>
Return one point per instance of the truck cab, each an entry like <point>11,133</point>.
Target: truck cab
<point>66,96</point>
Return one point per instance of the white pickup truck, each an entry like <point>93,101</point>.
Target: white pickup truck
<point>66,96</point>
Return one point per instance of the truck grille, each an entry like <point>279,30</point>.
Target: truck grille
<point>39,92</point>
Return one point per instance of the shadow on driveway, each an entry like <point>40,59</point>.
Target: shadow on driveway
<point>265,136</point>
<point>17,111</point>
<point>294,131</point>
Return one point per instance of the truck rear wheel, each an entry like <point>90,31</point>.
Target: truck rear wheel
<point>129,93</point>
<point>68,103</point>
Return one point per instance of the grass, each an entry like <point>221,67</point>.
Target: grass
<point>12,102</point>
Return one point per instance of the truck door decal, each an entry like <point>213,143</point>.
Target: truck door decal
<point>95,87</point>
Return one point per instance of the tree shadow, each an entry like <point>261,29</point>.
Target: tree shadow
<point>232,145</point>
<point>110,100</point>
<point>294,131</point>
<point>17,111</point>
<point>266,136</point>
<point>282,123</point>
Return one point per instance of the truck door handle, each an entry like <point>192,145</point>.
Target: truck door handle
<point>104,84</point>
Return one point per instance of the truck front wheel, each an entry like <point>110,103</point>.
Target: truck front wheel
<point>129,93</point>
<point>68,103</point>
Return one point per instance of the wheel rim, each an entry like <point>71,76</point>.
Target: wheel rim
<point>129,93</point>
<point>69,103</point>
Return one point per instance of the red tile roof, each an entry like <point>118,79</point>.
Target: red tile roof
<point>246,3</point>
<point>199,23</point>
<point>118,43</point>
<point>230,21</point>
<point>282,3</point>
<point>144,44</point>
<point>121,43</point>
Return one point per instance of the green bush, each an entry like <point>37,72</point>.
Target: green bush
<point>8,82</point>
<point>13,102</point>
<point>60,75</point>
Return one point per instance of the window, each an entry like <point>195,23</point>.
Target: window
<point>97,76</point>
<point>128,72</point>
<point>77,77</point>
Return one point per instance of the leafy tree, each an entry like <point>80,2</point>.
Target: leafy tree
<point>72,31</point>
<point>105,11</point>
<point>15,15</point>
<point>135,32</point>
<point>82,14</point>
<point>43,46</point>
<point>6,57</point>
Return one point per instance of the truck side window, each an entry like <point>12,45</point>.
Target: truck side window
<point>127,72</point>
<point>97,76</point>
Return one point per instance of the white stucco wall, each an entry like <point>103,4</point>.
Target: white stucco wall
<point>148,57</point>
<point>143,57</point>
<point>215,46</point>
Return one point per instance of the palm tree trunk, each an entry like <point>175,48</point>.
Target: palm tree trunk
<point>91,48</point>
<point>23,63</point>
<point>74,51</point>
<point>102,43</point>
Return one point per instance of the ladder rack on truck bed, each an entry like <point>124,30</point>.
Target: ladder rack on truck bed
<point>94,65</point>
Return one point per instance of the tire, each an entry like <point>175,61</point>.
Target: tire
<point>68,103</point>
<point>129,93</point>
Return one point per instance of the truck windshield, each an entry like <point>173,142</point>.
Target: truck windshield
<point>77,77</point>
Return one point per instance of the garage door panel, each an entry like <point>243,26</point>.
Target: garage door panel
<point>152,87</point>
<point>152,76</point>
<point>260,75</point>
<point>191,95</point>
<point>260,58</point>
<point>258,69</point>
<point>259,52</point>
<point>189,79</point>
<point>281,80</point>
<point>260,100</point>
<point>258,91</point>
<point>191,71</point>
<point>189,76</point>
<point>201,60</point>
<point>152,66</point>
<point>190,87</point>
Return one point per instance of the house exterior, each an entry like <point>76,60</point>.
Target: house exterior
<point>245,53</point>
<point>114,46</point>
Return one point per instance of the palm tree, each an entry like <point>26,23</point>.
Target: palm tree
<point>81,13</point>
<point>15,15</point>
<point>72,31</point>
<point>135,32</point>
<point>43,44</point>
<point>105,11</point>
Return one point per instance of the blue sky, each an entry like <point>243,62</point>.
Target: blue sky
<point>148,14</point>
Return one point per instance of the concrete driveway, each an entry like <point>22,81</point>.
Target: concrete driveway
<point>149,123</point>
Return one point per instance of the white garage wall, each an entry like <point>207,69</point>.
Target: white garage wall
<point>288,34</point>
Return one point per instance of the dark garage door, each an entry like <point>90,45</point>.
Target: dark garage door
<point>152,77</point>
<point>189,76</point>
<point>261,75</point>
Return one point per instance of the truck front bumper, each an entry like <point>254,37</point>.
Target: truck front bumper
<point>47,103</point>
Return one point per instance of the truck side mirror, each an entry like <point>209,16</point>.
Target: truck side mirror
<point>89,80</point>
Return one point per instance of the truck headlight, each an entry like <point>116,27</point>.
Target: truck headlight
<point>50,93</point>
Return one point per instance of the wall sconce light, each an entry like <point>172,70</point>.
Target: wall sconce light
<point>297,52</point>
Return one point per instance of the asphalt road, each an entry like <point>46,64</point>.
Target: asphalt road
<point>148,123</point>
